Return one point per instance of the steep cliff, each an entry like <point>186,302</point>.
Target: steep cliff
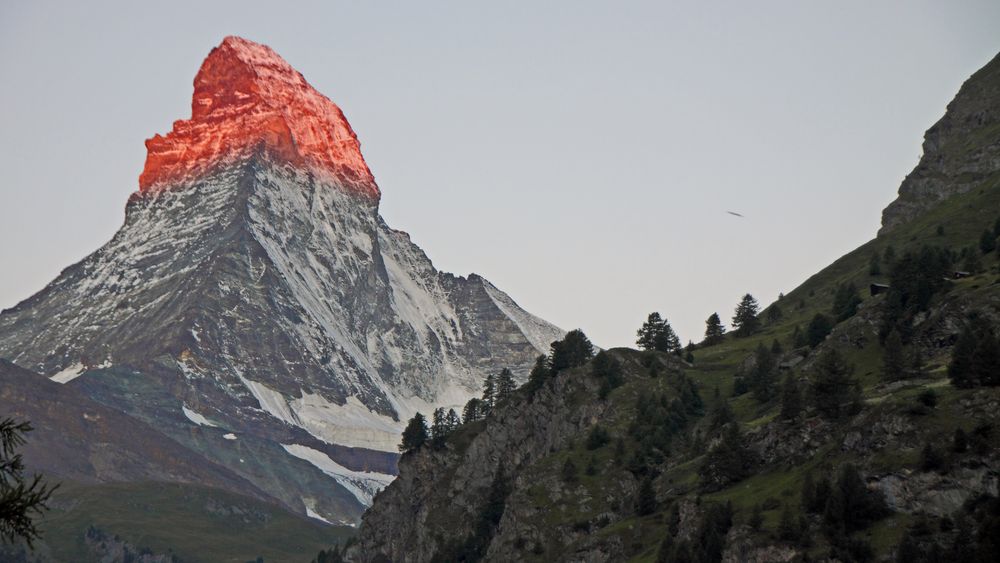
<point>961,151</point>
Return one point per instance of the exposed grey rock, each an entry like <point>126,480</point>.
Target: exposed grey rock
<point>934,493</point>
<point>742,547</point>
<point>413,518</point>
<point>948,166</point>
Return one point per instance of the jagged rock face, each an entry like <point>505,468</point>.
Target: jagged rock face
<point>257,288</point>
<point>960,151</point>
<point>439,496</point>
<point>439,493</point>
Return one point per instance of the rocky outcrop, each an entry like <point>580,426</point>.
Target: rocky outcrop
<point>438,496</point>
<point>940,494</point>
<point>961,151</point>
<point>437,500</point>
<point>744,546</point>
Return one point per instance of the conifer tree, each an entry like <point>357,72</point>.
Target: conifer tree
<point>439,427</point>
<point>973,263</point>
<point>774,314</point>
<point>914,279</point>
<point>762,374</point>
<point>799,338</point>
<point>489,393</point>
<point>819,327</point>
<point>756,518</point>
<point>845,301</point>
<point>917,366</point>
<point>669,341</point>
<point>908,551</point>
<point>791,398</point>
<point>889,256</point>
<point>720,416</point>
<point>745,319</point>
<point>851,506</point>
<point>619,455</point>
<point>787,526</point>
<point>987,242</point>
<point>986,360</point>
<point>415,434</point>
<point>569,471</point>
<point>648,335</point>
<point>713,330</point>
<point>572,351</point>
<point>539,373</point>
<point>657,334</point>
<point>960,369</point>
<point>893,357</point>
<point>645,498</point>
<point>776,348</point>
<point>875,265</point>
<point>452,420</point>
<point>930,458</point>
<point>471,412</point>
<point>609,370</point>
<point>808,495</point>
<point>730,461</point>
<point>960,443</point>
<point>598,437</point>
<point>21,499</point>
<point>504,386</point>
<point>975,359</point>
<point>835,392</point>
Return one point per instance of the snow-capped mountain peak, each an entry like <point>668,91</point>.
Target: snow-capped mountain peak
<point>255,284</point>
<point>247,98</point>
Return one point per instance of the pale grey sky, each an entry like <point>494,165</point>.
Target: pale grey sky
<point>580,155</point>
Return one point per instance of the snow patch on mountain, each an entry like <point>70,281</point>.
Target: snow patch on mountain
<point>363,485</point>
<point>271,401</point>
<point>417,295</point>
<point>68,374</point>
<point>352,424</point>
<point>310,505</point>
<point>197,418</point>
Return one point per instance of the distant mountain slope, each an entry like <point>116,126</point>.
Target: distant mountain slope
<point>158,522</point>
<point>77,438</point>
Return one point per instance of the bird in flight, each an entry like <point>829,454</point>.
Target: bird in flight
<point>735,213</point>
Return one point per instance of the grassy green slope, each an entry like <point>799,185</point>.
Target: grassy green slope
<point>962,219</point>
<point>196,524</point>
